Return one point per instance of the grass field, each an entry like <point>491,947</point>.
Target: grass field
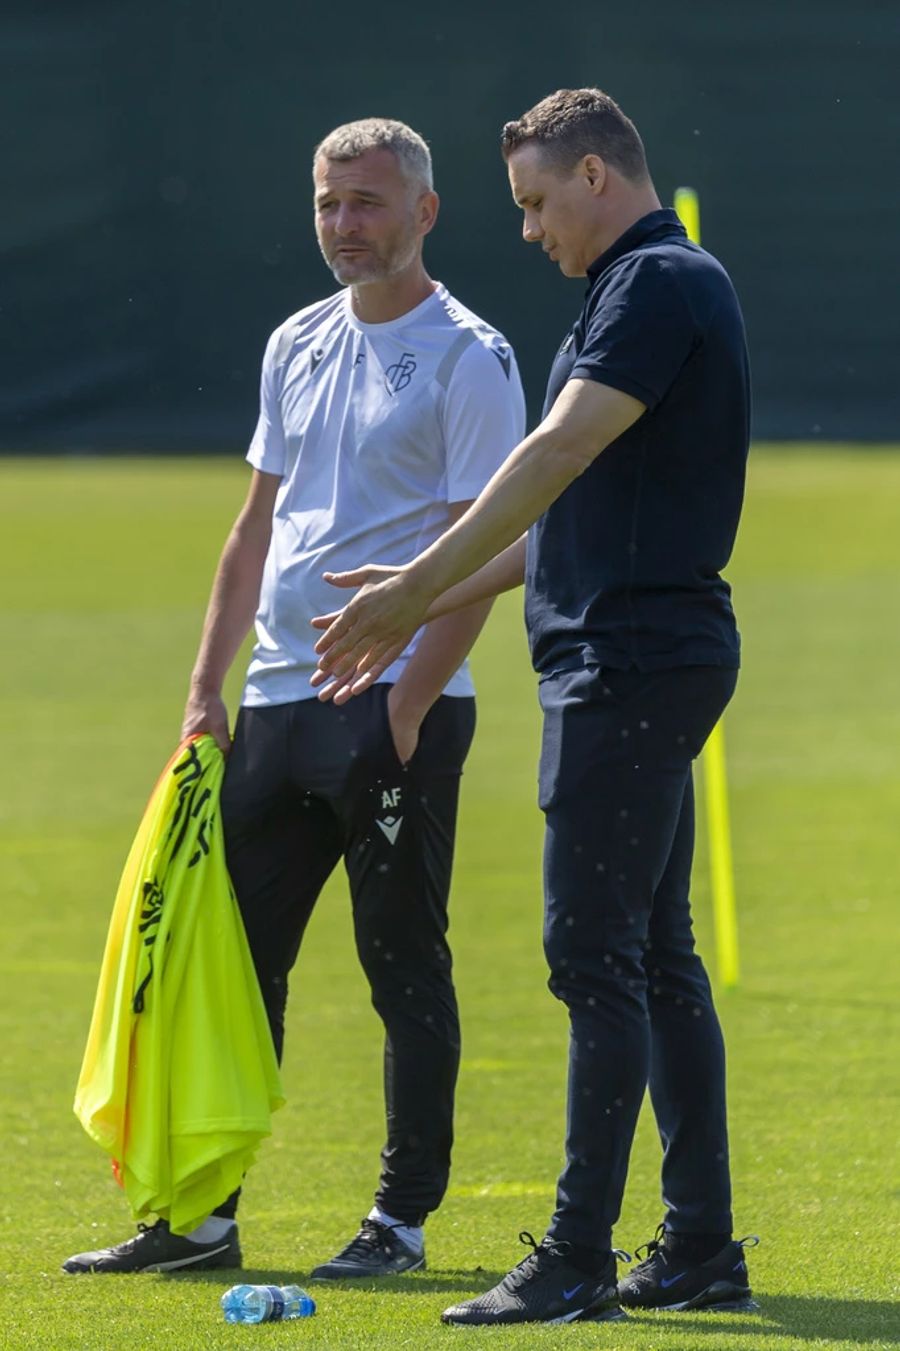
<point>106,566</point>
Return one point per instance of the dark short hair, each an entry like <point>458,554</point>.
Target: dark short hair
<point>573,123</point>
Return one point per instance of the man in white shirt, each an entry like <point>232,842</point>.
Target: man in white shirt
<point>384,410</point>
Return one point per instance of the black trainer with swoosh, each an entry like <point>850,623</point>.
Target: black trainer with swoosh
<point>376,1250</point>
<point>155,1248</point>
<point>545,1287</point>
<point>669,1283</point>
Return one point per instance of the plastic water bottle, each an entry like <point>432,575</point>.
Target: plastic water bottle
<point>266,1303</point>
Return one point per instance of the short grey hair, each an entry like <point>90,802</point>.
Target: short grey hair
<point>381,133</point>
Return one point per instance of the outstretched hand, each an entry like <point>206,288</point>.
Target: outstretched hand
<point>361,641</point>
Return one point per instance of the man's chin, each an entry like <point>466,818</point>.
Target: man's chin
<point>569,269</point>
<point>355,271</point>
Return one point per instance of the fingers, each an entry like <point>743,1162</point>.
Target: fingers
<point>341,688</point>
<point>324,621</point>
<point>377,669</point>
<point>218,730</point>
<point>348,579</point>
<point>335,636</point>
<point>346,645</point>
<point>342,692</point>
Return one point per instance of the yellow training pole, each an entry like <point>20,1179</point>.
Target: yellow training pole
<point>715,771</point>
<point>721,867</point>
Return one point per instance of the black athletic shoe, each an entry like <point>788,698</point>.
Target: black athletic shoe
<point>663,1281</point>
<point>375,1251</point>
<point>156,1248</point>
<point>545,1288</point>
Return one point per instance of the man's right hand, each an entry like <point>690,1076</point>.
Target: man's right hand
<point>206,712</point>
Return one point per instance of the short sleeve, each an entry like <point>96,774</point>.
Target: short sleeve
<point>484,417</point>
<point>640,332</point>
<point>267,449</point>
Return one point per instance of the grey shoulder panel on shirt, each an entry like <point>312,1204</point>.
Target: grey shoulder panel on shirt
<point>302,326</point>
<point>452,355</point>
<point>284,344</point>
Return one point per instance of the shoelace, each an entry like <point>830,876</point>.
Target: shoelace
<point>650,1249</point>
<point>371,1235</point>
<point>549,1247</point>
<point>553,1247</point>
<point>657,1248</point>
<point>141,1229</point>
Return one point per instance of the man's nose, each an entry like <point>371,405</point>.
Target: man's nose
<point>345,222</point>
<point>531,229</point>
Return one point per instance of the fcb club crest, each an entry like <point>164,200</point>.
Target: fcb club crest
<point>398,376</point>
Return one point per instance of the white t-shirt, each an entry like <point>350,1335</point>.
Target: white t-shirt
<point>374,429</point>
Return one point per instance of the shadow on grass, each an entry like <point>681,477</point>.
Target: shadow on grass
<point>417,1283</point>
<point>800,1318</point>
<point>797,1318</point>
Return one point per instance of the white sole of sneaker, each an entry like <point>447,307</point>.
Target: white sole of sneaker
<point>580,1316</point>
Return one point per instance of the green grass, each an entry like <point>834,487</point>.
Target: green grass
<point>106,568</point>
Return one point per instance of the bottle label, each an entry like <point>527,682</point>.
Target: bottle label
<point>277,1304</point>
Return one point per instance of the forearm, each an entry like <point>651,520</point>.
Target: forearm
<point>391,603</point>
<point>502,573</point>
<point>585,418</point>
<point>523,488</point>
<point>441,650</point>
<point>232,606</point>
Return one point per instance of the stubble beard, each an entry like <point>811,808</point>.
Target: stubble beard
<point>373,267</point>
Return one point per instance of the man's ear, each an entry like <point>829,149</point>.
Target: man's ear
<point>594,170</point>
<point>428,207</point>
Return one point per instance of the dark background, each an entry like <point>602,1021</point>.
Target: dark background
<point>156,221</point>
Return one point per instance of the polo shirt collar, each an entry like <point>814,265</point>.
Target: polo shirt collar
<point>662,222</point>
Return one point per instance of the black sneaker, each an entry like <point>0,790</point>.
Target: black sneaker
<point>665,1282</point>
<point>156,1248</point>
<point>545,1288</point>
<point>375,1251</point>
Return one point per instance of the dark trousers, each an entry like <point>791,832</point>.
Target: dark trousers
<point>306,784</point>
<point>617,791</point>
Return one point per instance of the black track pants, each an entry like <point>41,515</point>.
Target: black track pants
<point>617,792</point>
<point>306,784</point>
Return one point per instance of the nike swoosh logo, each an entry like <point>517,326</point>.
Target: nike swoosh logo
<point>570,1294</point>
<point>672,1279</point>
<point>187,1261</point>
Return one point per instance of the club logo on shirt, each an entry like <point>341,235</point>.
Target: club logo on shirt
<point>315,358</point>
<point>398,376</point>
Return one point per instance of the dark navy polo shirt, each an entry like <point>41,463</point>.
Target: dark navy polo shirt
<point>624,569</point>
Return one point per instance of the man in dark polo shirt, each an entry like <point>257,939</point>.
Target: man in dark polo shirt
<point>632,488</point>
